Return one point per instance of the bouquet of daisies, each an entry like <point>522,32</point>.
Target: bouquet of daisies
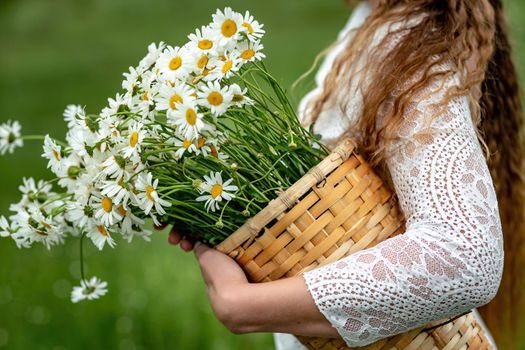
<point>201,136</point>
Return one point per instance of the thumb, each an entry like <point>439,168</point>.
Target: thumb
<point>206,257</point>
<point>199,249</point>
<point>205,260</point>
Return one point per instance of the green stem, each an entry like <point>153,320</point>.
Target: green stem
<point>82,257</point>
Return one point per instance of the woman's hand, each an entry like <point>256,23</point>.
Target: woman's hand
<point>283,306</point>
<point>175,237</point>
<point>224,279</point>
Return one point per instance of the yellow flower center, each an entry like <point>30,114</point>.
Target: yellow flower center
<point>205,44</point>
<point>227,66</point>
<point>122,211</point>
<point>248,27</point>
<point>228,28</point>
<point>215,98</point>
<point>145,96</point>
<point>213,151</point>
<point>175,63</point>
<point>247,54</point>
<point>149,193</point>
<point>202,62</point>
<point>186,143</point>
<point>237,98</point>
<point>102,230</point>
<point>56,154</point>
<point>216,191</point>
<point>107,204</point>
<point>134,139</point>
<point>191,116</point>
<point>175,99</point>
<point>201,141</point>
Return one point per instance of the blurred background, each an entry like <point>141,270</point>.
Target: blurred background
<point>58,52</point>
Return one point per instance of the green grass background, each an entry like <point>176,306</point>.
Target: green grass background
<point>57,52</point>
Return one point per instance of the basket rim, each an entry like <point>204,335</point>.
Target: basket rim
<point>288,198</point>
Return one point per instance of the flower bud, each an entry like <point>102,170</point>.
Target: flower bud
<point>197,184</point>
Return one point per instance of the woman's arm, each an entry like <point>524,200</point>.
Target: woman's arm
<point>283,306</point>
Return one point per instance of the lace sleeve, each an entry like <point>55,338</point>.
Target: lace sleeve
<point>449,260</point>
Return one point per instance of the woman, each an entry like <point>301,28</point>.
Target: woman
<point>426,87</point>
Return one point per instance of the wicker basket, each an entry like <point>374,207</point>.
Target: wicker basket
<point>338,208</point>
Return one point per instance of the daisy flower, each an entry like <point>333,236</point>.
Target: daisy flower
<point>117,191</point>
<point>151,57</point>
<point>147,196</point>
<point>86,182</point>
<point>79,213</point>
<point>92,289</point>
<point>251,51</point>
<point>5,227</point>
<point>131,80</point>
<point>227,25</point>
<point>35,227</point>
<point>200,65</point>
<point>239,96</point>
<point>136,135</point>
<point>254,29</point>
<point>71,112</point>
<point>215,97</point>
<point>207,146</point>
<point>188,120</point>
<point>185,145</point>
<point>114,166</point>
<point>99,235</point>
<point>53,153</point>
<point>69,172</point>
<point>130,223</point>
<point>117,105</point>
<point>81,141</point>
<point>108,127</point>
<point>143,102</point>
<point>202,40</point>
<point>105,210</point>
<point>170,97</point>
<point>217,191</point>
<point>10,137</point>
<point>34,191</point>
<point>224,66</point>
<point>174,63</point>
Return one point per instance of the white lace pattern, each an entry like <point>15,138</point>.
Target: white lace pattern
<point>449,260</point>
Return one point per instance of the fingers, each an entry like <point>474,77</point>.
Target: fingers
<point>186,245</point>
<point>175,237</point>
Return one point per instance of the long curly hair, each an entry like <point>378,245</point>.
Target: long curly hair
<point>472,35</point>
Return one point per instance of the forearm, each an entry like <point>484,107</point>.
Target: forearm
<point>283,306</point>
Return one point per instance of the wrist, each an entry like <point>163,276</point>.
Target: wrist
<point>236,308</point>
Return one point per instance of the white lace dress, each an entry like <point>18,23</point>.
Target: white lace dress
<point>449,260</point>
